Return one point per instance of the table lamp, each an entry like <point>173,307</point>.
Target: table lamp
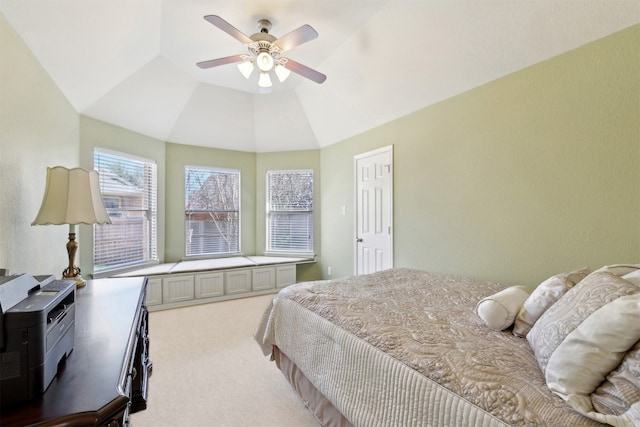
<point>72,196</point>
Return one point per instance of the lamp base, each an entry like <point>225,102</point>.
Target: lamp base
<point>80,282</point>
<point>72,272</point>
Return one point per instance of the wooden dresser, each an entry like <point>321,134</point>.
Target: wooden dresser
<point>105,378</point>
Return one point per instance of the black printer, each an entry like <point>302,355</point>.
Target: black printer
<point>37,330</point>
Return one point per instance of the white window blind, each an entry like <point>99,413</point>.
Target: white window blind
<point>129,191</point>
<point>212,211</point>
<point>290,211</point>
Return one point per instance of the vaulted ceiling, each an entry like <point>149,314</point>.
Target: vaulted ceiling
<point>132,62</point>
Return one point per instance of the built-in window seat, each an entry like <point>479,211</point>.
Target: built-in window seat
<point>186,283</point>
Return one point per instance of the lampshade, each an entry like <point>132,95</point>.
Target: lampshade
<point>246,68</point>
<point>265,80</point>
<point>72,196</point>
<point>264,61</point>
<point>282,73</point>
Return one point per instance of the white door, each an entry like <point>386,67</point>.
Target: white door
<point>374,210</point>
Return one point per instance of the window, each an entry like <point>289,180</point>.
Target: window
<point>290,211</point>
<point>129,192</point>
<point>211,211</point>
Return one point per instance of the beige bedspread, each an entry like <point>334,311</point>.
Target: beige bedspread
<point>404,347</point>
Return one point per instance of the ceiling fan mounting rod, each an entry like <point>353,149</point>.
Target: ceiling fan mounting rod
<point>264,25</point>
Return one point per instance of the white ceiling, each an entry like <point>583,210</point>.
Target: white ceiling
<point>132,62</point>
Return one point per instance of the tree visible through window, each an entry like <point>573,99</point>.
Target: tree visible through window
<point>212,211</point>
<point>290,211</point>
<point>129,193</point>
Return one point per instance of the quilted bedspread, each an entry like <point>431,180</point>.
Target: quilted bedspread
<point>405,347</point>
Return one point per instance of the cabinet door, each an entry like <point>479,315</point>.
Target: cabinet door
<point>285,275</point>
<point>237,282</point>
<point>176,289</point>
<point>209,285</point>
<point>154,292</point>
<point>263,278</point>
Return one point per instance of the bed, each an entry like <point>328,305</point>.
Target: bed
<point>405,347</point>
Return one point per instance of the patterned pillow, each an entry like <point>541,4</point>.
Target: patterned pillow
<point>595,348</point>
<point>633,277</point>
<point>543,297</point>
<point>591,293</point>
<point>622,386</point>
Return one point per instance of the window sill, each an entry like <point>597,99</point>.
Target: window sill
<point>114,271</point>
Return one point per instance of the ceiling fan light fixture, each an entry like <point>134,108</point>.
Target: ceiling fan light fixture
<point>282,73</point>
<point>246,68</point>
<point>265,80</point>
<point>264,61</point>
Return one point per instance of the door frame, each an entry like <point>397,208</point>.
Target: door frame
<point>385,149</point>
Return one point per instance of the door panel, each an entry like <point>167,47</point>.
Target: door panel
<point>374,216</point>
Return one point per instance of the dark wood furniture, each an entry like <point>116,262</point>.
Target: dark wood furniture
<point>105,376</point>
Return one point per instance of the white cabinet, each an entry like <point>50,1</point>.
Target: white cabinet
<point>185,287</point>
<point>285,275</point>
<point>209,285</point>
<point>263,278</point>
<point>177,289</point>
<point>237,281</point>
<point>154,292</point>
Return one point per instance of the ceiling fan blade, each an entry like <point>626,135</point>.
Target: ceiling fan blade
<point>296,37</point>
<point>304,71</point>
<point>221,61</point>
<point>228,28</point>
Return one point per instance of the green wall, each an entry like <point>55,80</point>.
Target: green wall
<point>38,129</point>
<point>97,134</point>
<point>306,159</point>
<point>179,156</point>
<point>527,176</point>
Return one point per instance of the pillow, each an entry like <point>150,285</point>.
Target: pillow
<point>498,310</point>
<point>543,297</point>
<point>591,293</point>
<point>620,269</point>
<point>595,348</point>
<point>633,277</point>
<point>621,389</point>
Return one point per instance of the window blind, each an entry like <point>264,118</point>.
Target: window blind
<point>129,191</point>
<point>212,211</point>
<point>290,211</point>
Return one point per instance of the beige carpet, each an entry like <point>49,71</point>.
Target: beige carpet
<point>209,371</point>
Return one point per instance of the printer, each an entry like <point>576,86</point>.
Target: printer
<point>37,331</point>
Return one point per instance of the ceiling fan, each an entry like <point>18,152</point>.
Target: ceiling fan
<point>264,52</point>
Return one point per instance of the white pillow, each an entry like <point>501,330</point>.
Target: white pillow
<point>543,297</point>
<point>595,348</point>
<point>499,310</point>
<point>633,277</point>
<point>590,294</point>
<point>620,270</point>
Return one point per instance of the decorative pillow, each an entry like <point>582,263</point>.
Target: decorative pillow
<point>591,293</point>
<point>620,269</point>
<point>543,297</point>
<point>498,310</point>
<point>633,277</point>
<point>621,389</point>
<point>595,347</point>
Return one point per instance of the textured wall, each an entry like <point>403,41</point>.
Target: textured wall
<point>527,176</point>
<point>94,133</point>
<point>38,128</point>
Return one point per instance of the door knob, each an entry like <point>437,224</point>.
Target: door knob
<point>358,240</point>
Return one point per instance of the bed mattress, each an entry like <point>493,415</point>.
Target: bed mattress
<point>404,347</point>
